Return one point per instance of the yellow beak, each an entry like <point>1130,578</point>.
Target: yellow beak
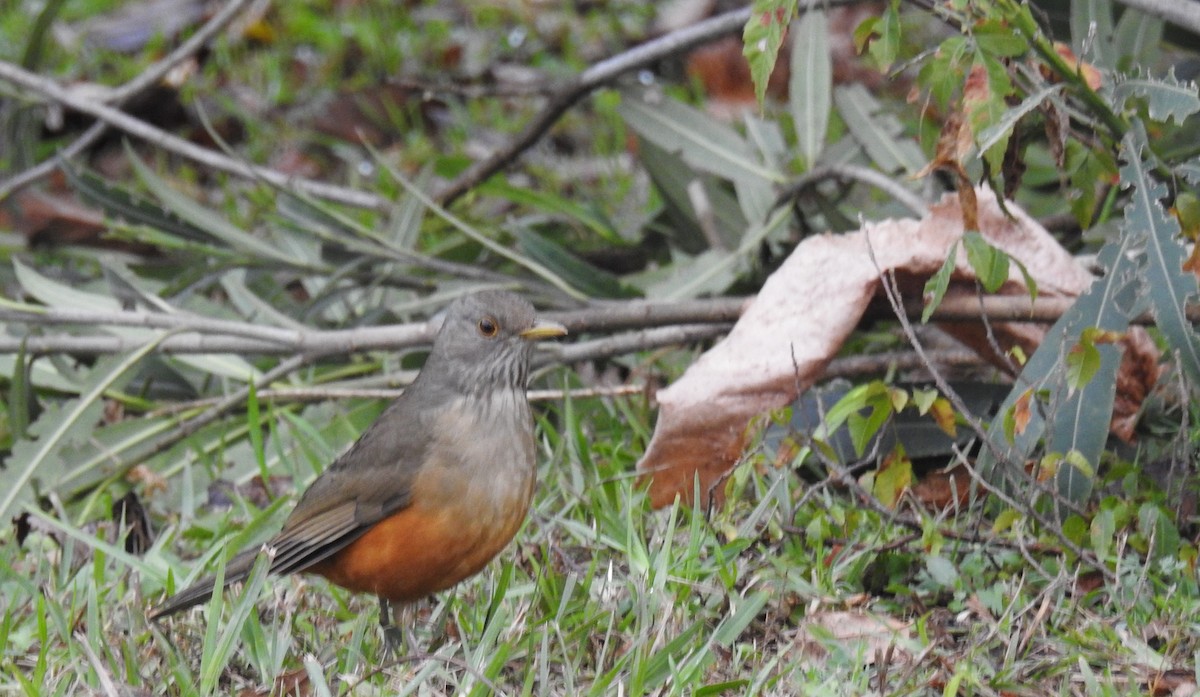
<point>543,329</point>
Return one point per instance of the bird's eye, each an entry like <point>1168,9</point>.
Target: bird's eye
<point>488,327</point>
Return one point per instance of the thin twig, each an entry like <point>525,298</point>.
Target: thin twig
<point>858,173</point>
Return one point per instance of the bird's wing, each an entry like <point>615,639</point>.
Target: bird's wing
<point>368,483</point>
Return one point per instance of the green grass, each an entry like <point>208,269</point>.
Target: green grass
<point>599,595</point>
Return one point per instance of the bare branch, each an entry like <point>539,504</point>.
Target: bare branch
<point>51,90</point>
<point>147,78</point>
<point>599,75</point>
<point>865,175</point>
<point>679,322</point>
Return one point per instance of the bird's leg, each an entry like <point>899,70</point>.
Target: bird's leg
<point>393,636</point>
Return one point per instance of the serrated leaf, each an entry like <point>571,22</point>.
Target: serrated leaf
<point>1078,418</point>
<point>1170,288</point>
<point>704,143</point>
<point>810,92</point>
<point>762,37</point>
<point>1166,98</point>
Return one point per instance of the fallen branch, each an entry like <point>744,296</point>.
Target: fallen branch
<point>195,334</point>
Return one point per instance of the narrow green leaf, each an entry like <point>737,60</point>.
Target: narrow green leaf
<point>1092,31</point>
<point>590,280</point>
<point>936,286</point>
<point>20,396</point>
<point>732,626</point>
<point>206,219</point>
<point>704,143</point>
<point>879,133</point>
<point>77,415</point>
<point>1003,126</point>
<point>1138,39</point>
<point>810,94</point>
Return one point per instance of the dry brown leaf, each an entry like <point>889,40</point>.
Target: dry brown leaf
<point>945,489</point>
<point>803,313</point>
<point>859,632</point>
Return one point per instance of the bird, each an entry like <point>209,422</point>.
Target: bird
<point>436,487</point>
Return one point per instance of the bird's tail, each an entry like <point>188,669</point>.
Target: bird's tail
<point>201,591</point>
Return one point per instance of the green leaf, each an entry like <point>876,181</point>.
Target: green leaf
<point>892,480</point>
<point>59,426</point>
<point>581,212</point>
<point>1155,525</point>
<point>1138,39</point>
<point>885,45</point>
<point>1166,98</point>
<point>936,286</point>
<point>1002,126</point>
<point>1083,361</point>
<point>941,570</point>
<point>583,276</point>
<point>745,611</point>
<point>1103,530</point>
<point>880,134</point>
<point>985,107</point>
<point>810,93</point>
<point>990,264</point>
<point>206,219</point>
<point>705,144</point>
<point>762,37</point>
<point>998,39</point>
<point>20,396</point>
<point>1170,288</point>
<point>1092,31</point>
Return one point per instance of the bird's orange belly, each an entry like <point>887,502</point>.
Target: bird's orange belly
<point>417,552</point>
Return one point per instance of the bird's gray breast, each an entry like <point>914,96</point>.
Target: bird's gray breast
<point>482,459</point>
